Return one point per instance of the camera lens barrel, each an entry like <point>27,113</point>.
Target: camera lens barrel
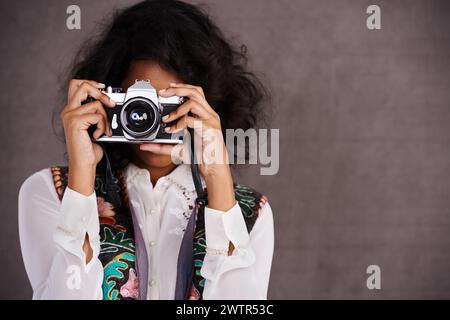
<point>140,117</point>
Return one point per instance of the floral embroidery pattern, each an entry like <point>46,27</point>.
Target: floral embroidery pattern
<point>114,272</point>
<point>117,248</point>
<point>131,288</point>
<point>105,208</point>
<point>112,241</point>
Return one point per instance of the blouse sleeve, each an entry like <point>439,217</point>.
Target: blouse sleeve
<point>52,234</point>
<point>245,273</point>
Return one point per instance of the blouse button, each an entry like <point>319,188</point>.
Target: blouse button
<point>152,283</point>
<point>152,243</point>
<point>134,203</point>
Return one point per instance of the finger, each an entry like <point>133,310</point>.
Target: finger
<point>183,123</point>
<point>189,106</point>
<point>157,148</point>
<point>198,89</point>
<point>192,94</point>
<point>80,92</point>
<point>75,83</point>
<point>85,90</point>
<point>91,107</point>
<point>101,129</point>
<point>184,85</point>
<point>87,120</point>
<point>95,107</point>
<point>84,121</point>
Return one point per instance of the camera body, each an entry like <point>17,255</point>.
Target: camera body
<point>136,118</point>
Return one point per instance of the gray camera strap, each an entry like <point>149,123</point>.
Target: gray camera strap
<point>185,265</point>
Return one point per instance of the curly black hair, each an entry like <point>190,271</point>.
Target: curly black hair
<point>182,39</point>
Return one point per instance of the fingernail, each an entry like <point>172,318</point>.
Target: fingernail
<point>162,90</point>
<point>165,117</point>
<point>173,84</point>
<point>112,102</point>
<point>101,85</point>
<point>167,129</point>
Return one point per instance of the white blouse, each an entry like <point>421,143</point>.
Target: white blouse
<point>52,234</point>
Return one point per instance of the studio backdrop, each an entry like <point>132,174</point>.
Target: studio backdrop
<point>360,95</point>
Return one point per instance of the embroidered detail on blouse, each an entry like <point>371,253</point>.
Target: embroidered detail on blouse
<point>183,214</point>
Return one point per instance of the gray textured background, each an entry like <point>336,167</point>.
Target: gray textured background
<point>364,118</point>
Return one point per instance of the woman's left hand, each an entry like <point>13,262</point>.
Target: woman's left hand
<point>210,147</point>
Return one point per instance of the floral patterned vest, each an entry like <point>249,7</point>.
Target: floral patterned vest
<point>117,236</point>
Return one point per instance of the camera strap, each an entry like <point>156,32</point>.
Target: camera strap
<point>201,193</point>
<point>185,264</point>
<point>111,187</point>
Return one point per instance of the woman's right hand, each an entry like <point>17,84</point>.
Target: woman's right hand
<point>84,154</point>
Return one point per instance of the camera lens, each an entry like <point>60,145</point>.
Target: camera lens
<point>139,117</point>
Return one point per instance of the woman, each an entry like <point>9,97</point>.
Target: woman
<point>139,234</point>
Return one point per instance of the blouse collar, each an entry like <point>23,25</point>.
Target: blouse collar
<point>181,175</point>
